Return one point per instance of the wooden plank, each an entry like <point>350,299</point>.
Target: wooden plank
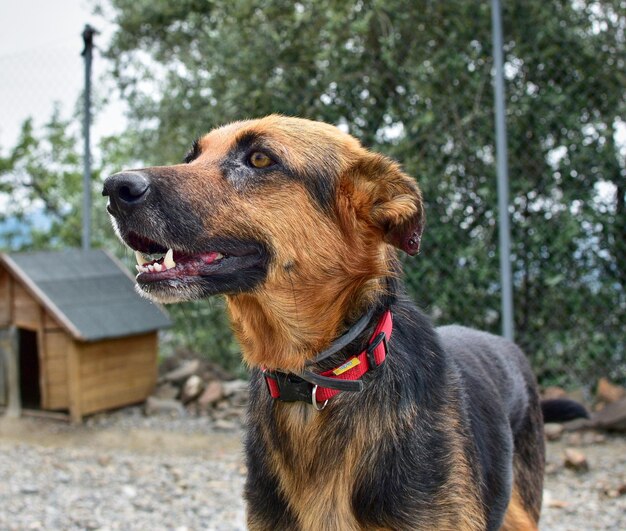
<point>57,344</point>
<point>56,371</point>
<point>41,354</point>
<point>4,390</point>
<point>124,398</point>
<point>114,387</point>
<point>50,323</point>
<point>5,297</point>
<point>137,361</point>
<point>117,372</point>
<point>73,382</point>
<point>26,313</point>
<point>57,396</point>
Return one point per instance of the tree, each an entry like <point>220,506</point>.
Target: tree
<point>41,188</point>
<point>412,79</point>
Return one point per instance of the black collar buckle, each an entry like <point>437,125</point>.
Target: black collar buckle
<point>292,388</point>
<point>369,351</point>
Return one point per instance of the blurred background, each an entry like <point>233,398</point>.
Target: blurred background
<point>409,79</point>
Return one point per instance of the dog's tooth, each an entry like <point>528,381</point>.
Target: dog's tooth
<point>150,268</point>
<point>139,268</point>
<point>141,259</point>
<point>157,267</point>
<point>168,261</point>
<point>218,256</point>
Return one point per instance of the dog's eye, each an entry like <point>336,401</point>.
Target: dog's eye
<point>260,160</point>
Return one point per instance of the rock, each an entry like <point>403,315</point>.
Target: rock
<point>104,460</point>
<point>577,395</point>
<point>226,425</point>
<point>558,504</point>
<point>575,460</point>
<point>553,431</point>
<point>551,469</point>
<point>608,392</point>
<point>166,390</point>
<point>577,425</point>
<point>612,417</point>
<point>29,489</point>
<point>129,491</point>
<point>183,372</point>
<point>614,492</point>
<point>553,392</point>
<point>192,388</point>
<point>161,406</point>
<point>212,393</point>
<point>235,386</point>
<point>592,437</point>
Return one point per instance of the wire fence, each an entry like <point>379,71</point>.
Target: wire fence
<point>565,118</point>
<point>566,111</point>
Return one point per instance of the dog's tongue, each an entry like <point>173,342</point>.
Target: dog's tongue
<point>173,260</point>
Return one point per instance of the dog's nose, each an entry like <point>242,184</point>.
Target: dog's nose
<point>125,190</point>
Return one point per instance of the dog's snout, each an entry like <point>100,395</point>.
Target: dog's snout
<point>126,190</point>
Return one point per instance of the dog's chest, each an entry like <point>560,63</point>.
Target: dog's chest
<point>316,469</point>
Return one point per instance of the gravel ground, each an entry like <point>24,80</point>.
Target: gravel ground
<point>126,471</point>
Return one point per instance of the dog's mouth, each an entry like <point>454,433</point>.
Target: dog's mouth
<point>169,263</point>
<point>167,273</point>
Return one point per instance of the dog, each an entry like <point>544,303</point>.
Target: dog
<point>362,415</point>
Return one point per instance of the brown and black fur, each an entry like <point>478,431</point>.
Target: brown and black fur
<point>448,433</point>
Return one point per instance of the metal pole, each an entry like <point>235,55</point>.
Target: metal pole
<point>88,34</point>
<point>502,171</point>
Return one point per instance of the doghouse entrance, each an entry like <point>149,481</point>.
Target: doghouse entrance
<point>29,369</point>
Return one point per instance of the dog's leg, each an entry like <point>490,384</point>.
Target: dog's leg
<point>517,517</point>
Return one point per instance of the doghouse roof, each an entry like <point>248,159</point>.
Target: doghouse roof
<point>89,292</point>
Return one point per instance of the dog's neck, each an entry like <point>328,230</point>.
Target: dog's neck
<point>282,330</point>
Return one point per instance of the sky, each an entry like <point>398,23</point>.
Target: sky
<point>40,63</point>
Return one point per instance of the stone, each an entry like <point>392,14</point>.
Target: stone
<point>234,386</point>
<point>29,489</point>
<point>166,390</point>
<point>129,491</point>
<point>575,460</point>
<point>608,392</point>
<point>225,425</point>
<point>553,392</point>
<point>212,394</point>
<point>104,460</point>
<point>612,417</point>
<point>182,373</point>
<point>163,406</point>
<point>192,388</point>
<point>558,504</point>
<point>553,431</point>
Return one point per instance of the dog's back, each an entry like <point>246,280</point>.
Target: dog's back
<point>503,405</point>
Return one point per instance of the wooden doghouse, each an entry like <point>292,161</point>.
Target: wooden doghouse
<point>76,335</point>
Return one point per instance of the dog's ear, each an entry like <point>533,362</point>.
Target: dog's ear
<point>389,200</point>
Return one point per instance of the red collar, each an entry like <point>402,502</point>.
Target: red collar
<point>290,387</point>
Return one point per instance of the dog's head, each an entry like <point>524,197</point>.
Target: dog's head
<point>265,204</point>
<point>293,220</point>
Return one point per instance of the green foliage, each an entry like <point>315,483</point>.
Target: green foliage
<point>202,326</point>
<point>412,79</point>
